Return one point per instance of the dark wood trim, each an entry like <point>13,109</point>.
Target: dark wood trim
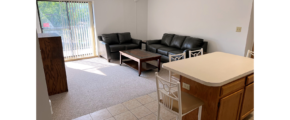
<point>137,59</point>
<point>139,67</point>
<point>145,66</point>
<point>129,56</point>
<point>159,59</point>
<point>149,59</point>
<point>121,59</point>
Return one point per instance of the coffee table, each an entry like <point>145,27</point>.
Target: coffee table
<point>138,59</point>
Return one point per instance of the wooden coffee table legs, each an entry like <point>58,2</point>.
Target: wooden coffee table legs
<point>121,59</point>
<point>139,67</point>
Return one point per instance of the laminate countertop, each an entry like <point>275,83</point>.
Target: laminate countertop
<point>213,69</point>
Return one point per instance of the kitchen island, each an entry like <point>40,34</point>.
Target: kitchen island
<point>225,82</point>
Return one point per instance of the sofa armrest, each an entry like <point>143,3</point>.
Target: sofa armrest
<point>100,38</point>
<point>158,41</point>
<point>104,50</point>
<point>138,42</point>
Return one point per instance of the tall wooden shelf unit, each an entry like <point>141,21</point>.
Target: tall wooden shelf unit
<point>53,62</point>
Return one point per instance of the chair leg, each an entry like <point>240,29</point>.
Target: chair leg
<point>158,113</point>
<point>178,117</point>
<point>170,78</point>
<point>199,112</point>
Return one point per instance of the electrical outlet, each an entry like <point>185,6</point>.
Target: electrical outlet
<point>239,29</point>
<point>186,86</point>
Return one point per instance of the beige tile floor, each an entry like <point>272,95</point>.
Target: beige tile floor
<point>141,108</point>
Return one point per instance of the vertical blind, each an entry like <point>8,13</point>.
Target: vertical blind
<point>72,20</point>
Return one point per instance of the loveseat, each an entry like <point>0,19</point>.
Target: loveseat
<point>174,44</point>
<point>111,44</point>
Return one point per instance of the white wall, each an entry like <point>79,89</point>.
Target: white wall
<point>142,6</point>
<point>121,16</point>
<point>42,102</point>
<point>213,20</point>
<point>250,38</point>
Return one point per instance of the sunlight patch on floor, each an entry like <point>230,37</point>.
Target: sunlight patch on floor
<point>78,66</point>
<point>95,71</point>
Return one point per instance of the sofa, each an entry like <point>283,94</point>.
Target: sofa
<point>174,44</point>
<point>111,44</point>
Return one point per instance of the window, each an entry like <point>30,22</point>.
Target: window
<point>71,20</point>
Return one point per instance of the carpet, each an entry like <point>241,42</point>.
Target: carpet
<point>95,84</point>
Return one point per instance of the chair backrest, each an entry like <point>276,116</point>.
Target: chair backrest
<point>167,94</point>
<point>195,53</point>
<point>250,53</point>
<point>177,57</point>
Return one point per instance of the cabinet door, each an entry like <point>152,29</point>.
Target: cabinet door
<point>230,106</point>
<point>248,101</point>
<point>53,64</point>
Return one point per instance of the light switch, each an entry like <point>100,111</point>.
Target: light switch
<point>185,86</point>
<point>239,29</point>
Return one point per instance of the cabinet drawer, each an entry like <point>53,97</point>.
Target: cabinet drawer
<point>250,79</point>
<point>232,87</point>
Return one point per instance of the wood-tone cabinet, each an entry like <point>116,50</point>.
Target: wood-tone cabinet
<point>248,101</point>
<point>232,87</point>
<point>230,105</point>
<point>232,101</point>
<point>223,85</point>
<point>53,63</point>
<point>237,105</point>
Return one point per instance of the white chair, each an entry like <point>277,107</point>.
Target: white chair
<point>250,53</point>
<point>195,53</point>
<point>176,102</point>
<point>175,57</point>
